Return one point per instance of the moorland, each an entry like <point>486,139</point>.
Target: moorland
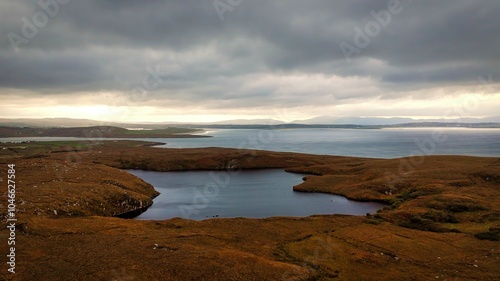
<point>441,220</point>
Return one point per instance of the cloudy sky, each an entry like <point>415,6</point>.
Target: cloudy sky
<point>211,60</point>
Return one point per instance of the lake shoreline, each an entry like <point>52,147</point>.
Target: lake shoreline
<point>441,209</point>
<point>241,193</point>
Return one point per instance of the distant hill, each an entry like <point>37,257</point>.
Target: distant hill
<point>445,124</point>
<point>248,122</point>
<point>354,120</point>
<point>350,126</point>
<point>96,132</point>
<point>51,122</point>
<point>320,122</point>
<point>70,123</point>
<point>374,121</point>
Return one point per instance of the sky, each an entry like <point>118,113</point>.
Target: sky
<point>194,61</point>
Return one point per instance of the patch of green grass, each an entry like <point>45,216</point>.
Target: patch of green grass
<point>456,206</point>
<point>440,216</point>
<point>39,149</point>
<point>419,223</point>
<point>415,192</point>
<point>373,221</point>
<point>93,132</point>
<point>409,194</point>
<point>489,235</point>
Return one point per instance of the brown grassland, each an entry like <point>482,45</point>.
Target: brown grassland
<point>441,222</point>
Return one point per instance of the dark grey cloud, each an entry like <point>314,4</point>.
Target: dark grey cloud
<point>106,45</point>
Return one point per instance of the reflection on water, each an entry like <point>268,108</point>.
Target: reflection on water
<point>253,194</point>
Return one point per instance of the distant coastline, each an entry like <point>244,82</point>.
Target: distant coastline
<point>193,128</point>
<point>350,126</point>
<point>100,132</point>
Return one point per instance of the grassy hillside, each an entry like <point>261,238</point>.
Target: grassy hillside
<point>96,132</point>
<point>441,221</point>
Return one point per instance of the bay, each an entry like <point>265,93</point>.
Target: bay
<point>379,143</point>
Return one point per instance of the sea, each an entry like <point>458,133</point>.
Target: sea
<point>372,143</point>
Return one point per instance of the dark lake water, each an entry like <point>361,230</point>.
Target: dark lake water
<point>201,195</point>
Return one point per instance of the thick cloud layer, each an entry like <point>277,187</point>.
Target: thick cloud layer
<point>249,55</point>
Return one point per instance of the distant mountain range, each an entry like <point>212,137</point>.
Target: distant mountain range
<point>51,122</point>
<point>374,121</point>
<point>322,121</point>
<point>248,122</point>
<point>69,122</point>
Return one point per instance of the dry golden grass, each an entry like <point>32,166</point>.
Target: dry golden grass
<point>83,242</point>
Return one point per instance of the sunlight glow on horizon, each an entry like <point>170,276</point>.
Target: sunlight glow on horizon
<point>450,107</point>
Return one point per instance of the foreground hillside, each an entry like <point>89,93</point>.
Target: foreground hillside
<point>441,221</point>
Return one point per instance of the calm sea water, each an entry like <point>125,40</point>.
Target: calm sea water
<point>252,193</point>
<point>385,143</point>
